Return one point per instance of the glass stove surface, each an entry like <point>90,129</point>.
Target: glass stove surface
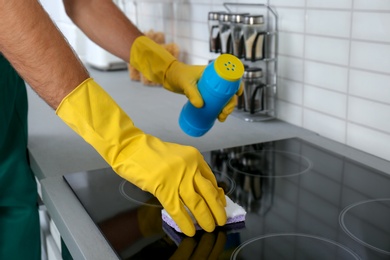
<point>302,202</point>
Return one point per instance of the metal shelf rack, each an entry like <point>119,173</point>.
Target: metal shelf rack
<point>269,64</point>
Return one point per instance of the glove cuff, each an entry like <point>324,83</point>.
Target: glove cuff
<point>151,59</point>
<point>96,117</point>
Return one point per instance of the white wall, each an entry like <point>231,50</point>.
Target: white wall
<point>339,52</point>
<point>334,61</point>
<point>75,37</point>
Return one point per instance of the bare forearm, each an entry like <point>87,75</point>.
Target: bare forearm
<point>105,24</point>
<point>38,51</point>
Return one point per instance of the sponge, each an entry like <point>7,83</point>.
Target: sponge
<point>234,212</point>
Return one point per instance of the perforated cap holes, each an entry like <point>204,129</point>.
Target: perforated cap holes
<point>230,66</point>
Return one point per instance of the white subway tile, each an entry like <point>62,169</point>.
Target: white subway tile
<point>192,47</point>
<point>291,44</point>
<point>220,2</point>
<point>344,4</point>
<point>217,8</point>
<point>370,56</point>
<point>329,23</point>
<point>56,11</point>
<point>184,45</point>
<point>370,85</point>
<point>193,30</point>
<point>324,125</point>
<point>290,113</point>
<point>371,26</point>
<point>183,12</point>
<point>197,60</point>
<point>290,68</point>
<point>81,43</point>
<point>292,20</point>
<point>325,101</point>
<point>250,1</point>
<point>130,9</point>
<point>369,113</point>
<point>231,5</point>
<point>149,9</point>
<point>199,31</point>
<point>70,33</point>
<point>369,140</point>
<point>290,3</point>
<point>200,13</point>
<point>327,76</point>
<point>290,91</point>
<point>153,20</point>
<point>169,30</point>
<point>198,1</point>
<point>192,12</point>
<point>372,5</point>
<point>327,50</point>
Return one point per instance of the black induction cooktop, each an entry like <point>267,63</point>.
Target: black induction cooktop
<point>302,202</point>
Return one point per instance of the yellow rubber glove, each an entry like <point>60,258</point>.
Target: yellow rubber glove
<point>177,175</point>
<point>158,65</point>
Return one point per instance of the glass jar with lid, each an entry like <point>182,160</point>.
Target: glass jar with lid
<point>213,24</point>
<point>254,32</point>
<point>224,33</point>
<point>236,22</point>
<point>253,90</point>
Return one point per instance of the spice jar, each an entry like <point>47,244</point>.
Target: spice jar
<point>213,24</point>
<point>253,90</point>
<point>224,33</point>
<point>236,22</point>
<point>254,32</point>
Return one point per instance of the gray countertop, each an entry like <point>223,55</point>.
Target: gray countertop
<point>56,150</point>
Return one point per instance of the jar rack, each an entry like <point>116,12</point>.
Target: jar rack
<point>268,63</point>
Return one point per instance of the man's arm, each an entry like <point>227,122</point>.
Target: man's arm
<point>105,24</point>
<point>38,51</point>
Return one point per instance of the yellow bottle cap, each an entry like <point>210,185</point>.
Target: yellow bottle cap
<point>229,67</point>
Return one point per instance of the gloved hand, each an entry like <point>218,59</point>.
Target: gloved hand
<point>158,65</point>
<point>177,175</point>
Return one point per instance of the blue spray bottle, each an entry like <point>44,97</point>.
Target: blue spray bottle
<point>219,82</point>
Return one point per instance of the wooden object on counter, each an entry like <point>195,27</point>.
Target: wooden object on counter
<point>158,37</point>
<point>134,73</point>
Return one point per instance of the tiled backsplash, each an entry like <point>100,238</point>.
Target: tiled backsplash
<point>336,56</point>
<point>334,61</point>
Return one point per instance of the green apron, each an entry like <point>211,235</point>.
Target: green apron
<point>19,219</point>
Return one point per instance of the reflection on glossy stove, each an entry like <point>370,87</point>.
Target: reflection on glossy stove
<point>303,202</point>
<point>136,195</point>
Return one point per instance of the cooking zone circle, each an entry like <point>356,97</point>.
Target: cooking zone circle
<point>135,194</point>
<point>270,164</point>
<point>292,246</point>
<point>368,222</point>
